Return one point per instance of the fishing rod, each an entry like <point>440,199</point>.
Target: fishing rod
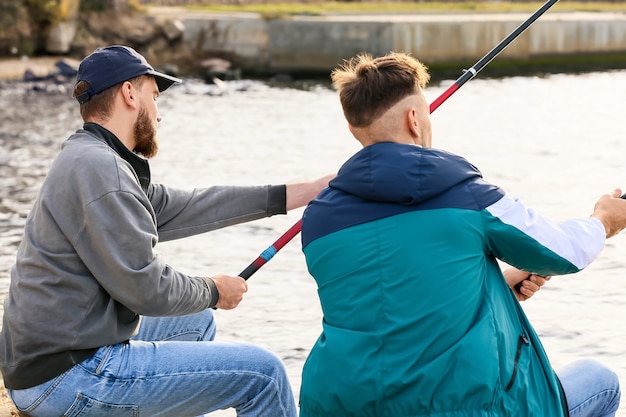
<point>478,66</point>
<point>269,253</point>
<point>467,75</point>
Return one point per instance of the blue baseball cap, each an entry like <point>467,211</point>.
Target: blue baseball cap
<point>111,65</point>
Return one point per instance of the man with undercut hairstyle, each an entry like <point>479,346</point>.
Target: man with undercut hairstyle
<point>419,320</point>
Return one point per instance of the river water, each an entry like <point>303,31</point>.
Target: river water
<point>556,141</point>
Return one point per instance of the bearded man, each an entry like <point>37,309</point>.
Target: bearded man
<point>96,322</point>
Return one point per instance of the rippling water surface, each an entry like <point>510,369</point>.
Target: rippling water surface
<point>557,142</point>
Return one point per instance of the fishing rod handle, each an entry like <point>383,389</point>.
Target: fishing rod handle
<point>250,269</point>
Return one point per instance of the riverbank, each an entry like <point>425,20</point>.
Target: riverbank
<point>204,44</point>
<point>303,44</point>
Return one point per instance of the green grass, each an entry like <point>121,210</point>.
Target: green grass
<point>274,10</point>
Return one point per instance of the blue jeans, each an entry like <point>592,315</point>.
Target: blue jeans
<point>591,389</point>
<point>171,368</point>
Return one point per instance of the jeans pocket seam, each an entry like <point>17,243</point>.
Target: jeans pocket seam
<point>83,402</point>
<point>105,358</point>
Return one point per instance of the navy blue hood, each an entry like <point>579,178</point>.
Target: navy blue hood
<point>401,174</point>
<point>395,178</point>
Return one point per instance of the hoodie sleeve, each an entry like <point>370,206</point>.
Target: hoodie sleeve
<point>119,235</point>
<point>521,237</point>
<point>181,213</point>
<point>117,243</point>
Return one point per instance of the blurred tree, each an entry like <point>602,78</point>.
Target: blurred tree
<point>14,29</point>
<point>42,15</point>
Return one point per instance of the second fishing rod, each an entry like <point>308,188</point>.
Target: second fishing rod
<point>467,75</point>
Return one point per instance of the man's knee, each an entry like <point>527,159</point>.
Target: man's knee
<point>591,388</point>
<point>597,372</point>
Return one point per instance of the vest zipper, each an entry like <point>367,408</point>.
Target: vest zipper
<point>523,340</point>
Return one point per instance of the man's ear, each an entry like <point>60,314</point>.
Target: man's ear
<point>412,123</point>
<point>129,94</point>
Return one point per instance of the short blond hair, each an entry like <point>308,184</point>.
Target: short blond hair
<point>368,86</point>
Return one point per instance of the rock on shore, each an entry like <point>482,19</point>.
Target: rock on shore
<point>16,68</point>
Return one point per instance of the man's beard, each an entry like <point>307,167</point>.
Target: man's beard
<point>144,131</point>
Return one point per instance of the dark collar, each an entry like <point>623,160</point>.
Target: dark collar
<point>139,164</point>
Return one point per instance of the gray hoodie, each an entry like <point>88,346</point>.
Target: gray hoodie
<point>86,269</point>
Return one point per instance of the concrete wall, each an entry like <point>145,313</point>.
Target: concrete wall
<point>320,43</point>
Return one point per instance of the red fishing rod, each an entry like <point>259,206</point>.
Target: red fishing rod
<point>467,75</point>
<point>269,253</point>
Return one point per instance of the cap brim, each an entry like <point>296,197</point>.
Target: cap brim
<point>164,81</point>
